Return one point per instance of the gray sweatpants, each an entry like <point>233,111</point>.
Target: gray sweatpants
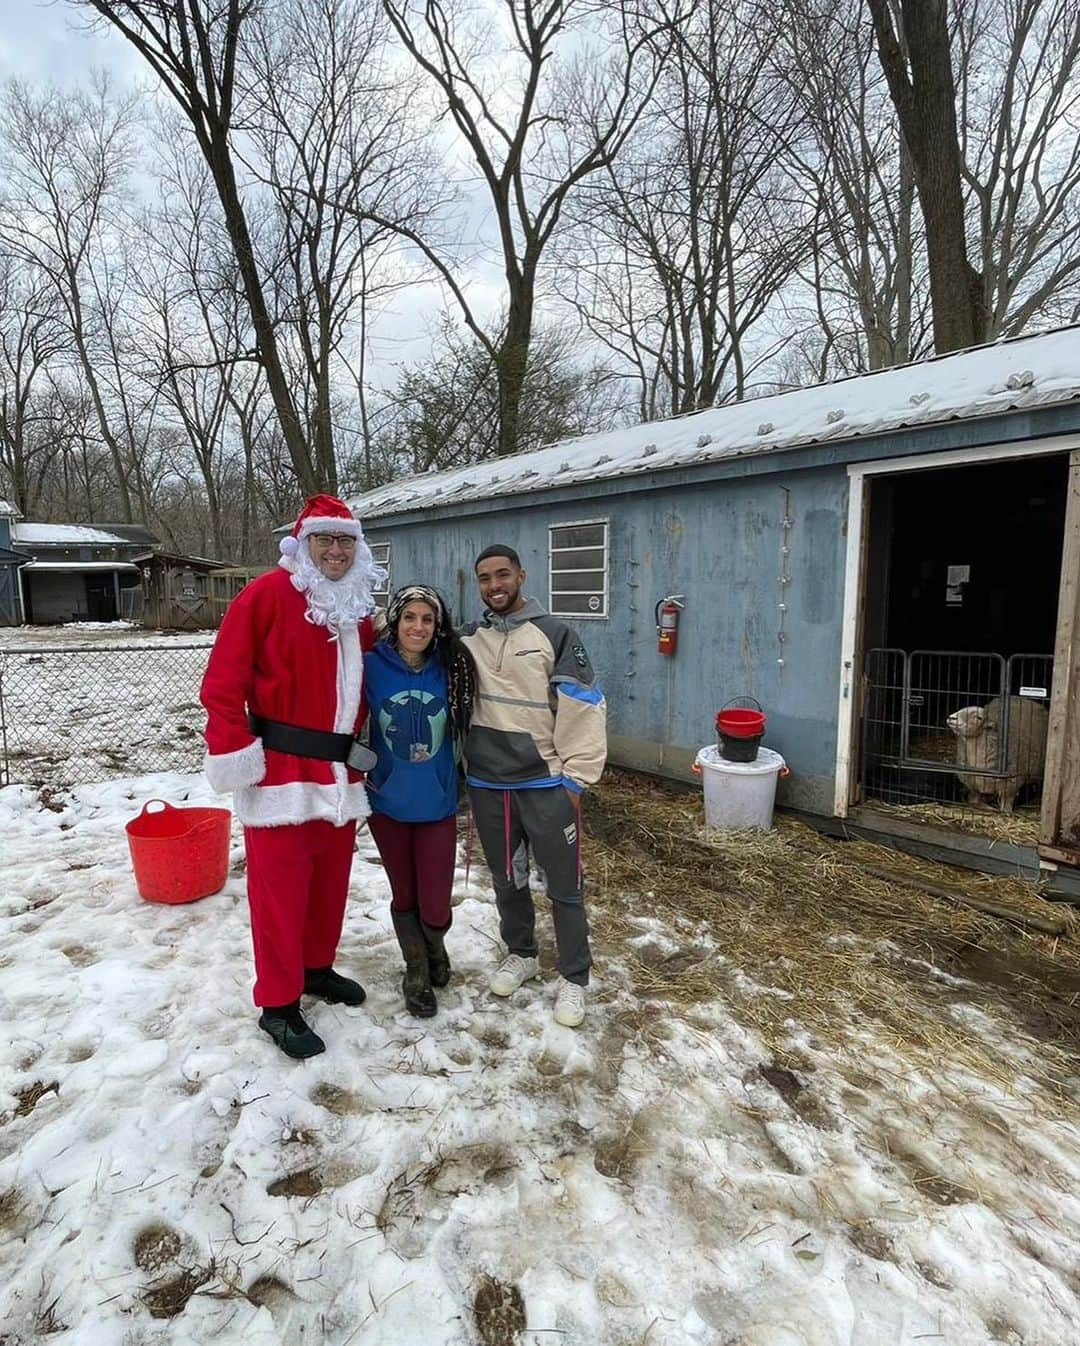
<point>511,823</point>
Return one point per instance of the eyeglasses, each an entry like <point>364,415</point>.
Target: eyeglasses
<point>345,541</point>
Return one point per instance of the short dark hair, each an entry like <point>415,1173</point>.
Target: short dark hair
<point>497,549</point>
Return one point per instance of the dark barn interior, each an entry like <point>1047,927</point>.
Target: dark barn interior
<point>961,604</point>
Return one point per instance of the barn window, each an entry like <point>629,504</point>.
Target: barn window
<point>579,569</point>
<point>380,551</point>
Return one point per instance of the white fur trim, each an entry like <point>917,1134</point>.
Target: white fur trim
<point>301,802</point>
<point>330,524</point>
<point>235,770</point>
<point>350,677</point>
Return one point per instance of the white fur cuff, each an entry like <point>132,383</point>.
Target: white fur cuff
<point>232,770</point>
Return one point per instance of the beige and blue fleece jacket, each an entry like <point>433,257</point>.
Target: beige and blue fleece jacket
<point>539,717</point>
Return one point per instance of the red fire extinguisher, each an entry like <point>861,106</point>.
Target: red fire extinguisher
<point>667,623</point>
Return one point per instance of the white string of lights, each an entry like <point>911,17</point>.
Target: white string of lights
<point>786,525</point>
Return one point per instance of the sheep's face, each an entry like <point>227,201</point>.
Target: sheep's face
<point>968,722</point>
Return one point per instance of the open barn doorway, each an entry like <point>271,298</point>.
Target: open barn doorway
<point>959,614</point>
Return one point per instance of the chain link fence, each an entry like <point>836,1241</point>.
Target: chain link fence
<point>74,715</point>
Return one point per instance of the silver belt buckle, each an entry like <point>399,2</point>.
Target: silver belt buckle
<point>360,757</point>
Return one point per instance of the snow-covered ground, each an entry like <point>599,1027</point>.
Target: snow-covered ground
<point>648,1180</point>
<point>92,699</point>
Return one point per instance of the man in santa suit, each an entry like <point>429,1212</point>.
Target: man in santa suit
<point>282,693</point>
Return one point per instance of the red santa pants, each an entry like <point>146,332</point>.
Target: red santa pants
<point>419,860</point>
<point>297,880</point>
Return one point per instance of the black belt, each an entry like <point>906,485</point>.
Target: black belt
<point>299,742</point>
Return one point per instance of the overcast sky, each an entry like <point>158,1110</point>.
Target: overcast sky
<point>51,40</point>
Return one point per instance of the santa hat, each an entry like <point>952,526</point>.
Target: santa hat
<point>321,514</point>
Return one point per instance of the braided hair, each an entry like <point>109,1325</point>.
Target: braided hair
<point>447,647</point>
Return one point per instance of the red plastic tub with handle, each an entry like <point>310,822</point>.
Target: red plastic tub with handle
<point>179,854</point>
<point>739,730</point>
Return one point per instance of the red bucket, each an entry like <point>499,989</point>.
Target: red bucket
<point>739,730</point>
<point>179,855</point>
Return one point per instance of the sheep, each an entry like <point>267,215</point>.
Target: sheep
<point>978,737</point>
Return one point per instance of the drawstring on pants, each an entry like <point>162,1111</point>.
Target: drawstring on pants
<point>506,833</point>
<point>468,846</point>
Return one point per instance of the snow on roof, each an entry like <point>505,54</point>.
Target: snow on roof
<point>8,510</point>
<point>1021,372</point>
<point>64,535</point>
<point>79,565</point>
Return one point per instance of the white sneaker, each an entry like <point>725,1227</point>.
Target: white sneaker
<point>513,972</point>
<point>569,1003</point>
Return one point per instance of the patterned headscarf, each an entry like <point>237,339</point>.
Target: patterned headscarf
<point>414,593</point>
<point>454,657</point>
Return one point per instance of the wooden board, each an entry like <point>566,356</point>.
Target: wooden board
<point>1060,823</point>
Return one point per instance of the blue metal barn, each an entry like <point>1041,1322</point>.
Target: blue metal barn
<point>930,508</point>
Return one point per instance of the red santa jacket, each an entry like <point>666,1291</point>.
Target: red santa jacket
<point>268,659</point>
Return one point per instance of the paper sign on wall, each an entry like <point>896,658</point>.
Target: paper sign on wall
<point>955,579</point>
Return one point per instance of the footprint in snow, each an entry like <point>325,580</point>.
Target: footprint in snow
<point>80,956</point>
<point>419,1199</point>
<point>311,1182</point>
<point>341,1102</point>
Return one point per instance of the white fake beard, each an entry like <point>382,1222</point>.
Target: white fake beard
<point>330,603</point>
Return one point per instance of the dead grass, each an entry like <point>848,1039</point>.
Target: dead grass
<point>499,1311</point>
<point>798,930</point>
<point>32,1094</point>
<point>1021,829</point>
<point>171,1299</point>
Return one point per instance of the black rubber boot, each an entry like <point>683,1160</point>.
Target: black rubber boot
<point>290,1030</point>
<point>416,983</point>
<point>438,958</point>
<point>332,987</point>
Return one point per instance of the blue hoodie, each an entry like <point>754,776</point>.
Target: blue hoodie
<point>415,780</point>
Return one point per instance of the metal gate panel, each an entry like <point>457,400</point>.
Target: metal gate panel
<point>909,753</point>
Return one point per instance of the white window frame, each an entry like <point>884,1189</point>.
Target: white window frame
<point>386,565</point>
<point>580,523</point>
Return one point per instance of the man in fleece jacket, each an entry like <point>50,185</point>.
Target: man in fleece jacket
<point>536,740</point>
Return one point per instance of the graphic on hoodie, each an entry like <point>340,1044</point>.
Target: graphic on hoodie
<point>413,723</point>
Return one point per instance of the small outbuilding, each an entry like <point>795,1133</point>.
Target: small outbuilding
<point>179,591</point>
<point>866,558</point>
<point>76,572</point>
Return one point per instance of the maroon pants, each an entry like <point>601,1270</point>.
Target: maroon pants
<point>419,860</point>
<point>297,879</point>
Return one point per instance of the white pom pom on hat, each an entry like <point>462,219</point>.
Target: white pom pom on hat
<point>289,546</point>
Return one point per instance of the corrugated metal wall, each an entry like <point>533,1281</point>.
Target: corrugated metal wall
<point>720,544</point>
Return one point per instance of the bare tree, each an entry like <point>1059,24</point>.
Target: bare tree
<point>916,56</point>
<point>863,280</point>
<point>66,156</point>
<point>335,145</point>
<point>1003,130</point>
<point>1018,70</point>
<point>31,334</point>
<point>444,411</point>
<point>679,248</point>
<point>193,47</point>
<point>196,323</point>
<point>537,122</point>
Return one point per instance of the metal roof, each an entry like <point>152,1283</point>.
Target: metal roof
<point>1022,373</point>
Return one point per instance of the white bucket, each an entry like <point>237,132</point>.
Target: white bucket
<point>739,794</point>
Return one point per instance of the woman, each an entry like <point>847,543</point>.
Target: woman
<point>419,683</point>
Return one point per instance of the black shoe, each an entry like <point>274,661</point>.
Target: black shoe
<point>438,958</point>
<point>290,1030</point>
<point>332,987</point>
<point>416,988</point>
